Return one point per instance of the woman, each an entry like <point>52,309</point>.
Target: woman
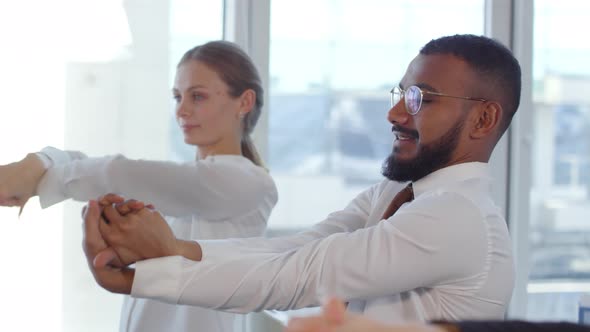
<point>226,192</point>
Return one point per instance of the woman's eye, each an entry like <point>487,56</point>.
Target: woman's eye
<point>176,98</point>
<point>198,97</point>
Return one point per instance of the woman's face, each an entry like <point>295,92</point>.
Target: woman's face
<point>207,114</point>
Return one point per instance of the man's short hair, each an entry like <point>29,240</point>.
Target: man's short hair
<point>491,61</point>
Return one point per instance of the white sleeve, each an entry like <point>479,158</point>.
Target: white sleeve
<point>51,156</point>
<point>415,248</point>
<point>214,188</point>
<point>353,217</point>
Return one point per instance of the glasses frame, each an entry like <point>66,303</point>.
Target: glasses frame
<point>402,95</point>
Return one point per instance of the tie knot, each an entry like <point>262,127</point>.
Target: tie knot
<point>403,196</point>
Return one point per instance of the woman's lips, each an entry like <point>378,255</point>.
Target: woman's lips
<point>186,128</point>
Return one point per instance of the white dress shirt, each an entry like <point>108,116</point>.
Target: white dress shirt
<point>217,197</point>
<point>445,255</point>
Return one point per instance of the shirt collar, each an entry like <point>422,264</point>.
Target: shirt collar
<point>451,174</point>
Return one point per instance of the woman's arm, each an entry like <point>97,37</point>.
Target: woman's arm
<point>18,180</point>
<point>215,188</point>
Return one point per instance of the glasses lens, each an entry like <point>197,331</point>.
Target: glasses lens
<point>395,95</point>
<point>413,99</point>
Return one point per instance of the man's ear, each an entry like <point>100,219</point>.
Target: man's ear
<point>487,119</point>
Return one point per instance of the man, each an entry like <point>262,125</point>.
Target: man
<point>427,243</point>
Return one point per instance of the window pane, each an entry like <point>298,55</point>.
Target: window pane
<point>93,75</point>
<point>332,64</point>
<point>560,203</point>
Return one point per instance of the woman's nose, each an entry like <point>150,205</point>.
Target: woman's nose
<point>182,110</point>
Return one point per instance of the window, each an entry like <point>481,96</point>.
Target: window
<point>93,76</point>
<point>560,192</point>
<point>332,64</point>
<point>71,80</point>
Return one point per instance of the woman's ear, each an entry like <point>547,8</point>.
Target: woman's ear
<point>487,119</point>
<point>247,101</point>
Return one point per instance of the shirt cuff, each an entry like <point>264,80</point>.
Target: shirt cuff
<point>51,156</point>
<point>158,279</point>
<point>50,187</point>
<point>47,162</point>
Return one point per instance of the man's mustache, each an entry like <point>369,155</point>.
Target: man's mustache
<point>406,131</point>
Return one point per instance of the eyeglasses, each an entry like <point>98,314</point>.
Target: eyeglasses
<point>413,96</point>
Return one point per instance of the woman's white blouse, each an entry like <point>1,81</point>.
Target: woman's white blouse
<point>223,196</point>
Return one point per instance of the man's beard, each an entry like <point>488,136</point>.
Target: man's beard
<point>430,158</point>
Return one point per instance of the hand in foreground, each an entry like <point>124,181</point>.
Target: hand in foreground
<point>19,180</point>
<point>334,318</point>
<point>116,279</point>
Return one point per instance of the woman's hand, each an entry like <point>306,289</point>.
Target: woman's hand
<point>19,180</point>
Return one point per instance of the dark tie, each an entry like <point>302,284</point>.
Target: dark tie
<point>404,196</point>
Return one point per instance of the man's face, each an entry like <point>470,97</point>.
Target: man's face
<point>434,137</point>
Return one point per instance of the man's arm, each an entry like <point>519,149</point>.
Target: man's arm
<point>408,251</point>
<point>354,216</point>
<point>139,233</point>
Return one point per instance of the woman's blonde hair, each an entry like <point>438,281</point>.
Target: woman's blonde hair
<point>236,69</point>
